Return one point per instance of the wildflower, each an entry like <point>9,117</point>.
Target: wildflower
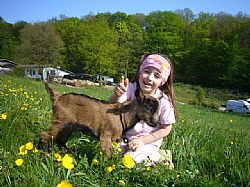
<point>58,157</point>
<point>23,108</point>
<point>4,116</point>
<point>94,162</point>
<point>119,150</point>
<point>231,121</point>
<point>22,150</point>
<point>148,168</point>
<point>127,161</point>
<point>29,146</point>
<point>121,182</point>
<point>67,162</point>
<point>35,150</point>
<point>110,168</point>
<point>64,183</point>
<point>115,145</point>
<point>19,162</point>
<point>232,143</point>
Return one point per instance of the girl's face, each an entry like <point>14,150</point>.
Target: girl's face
<point>150,79</point>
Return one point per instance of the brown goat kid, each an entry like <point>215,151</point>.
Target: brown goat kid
<point>106,121</point>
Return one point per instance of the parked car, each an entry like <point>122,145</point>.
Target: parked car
<point>238,106</point>
<point>105,80</point>
<point>80,76</point>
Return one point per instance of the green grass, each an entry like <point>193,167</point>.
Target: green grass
<point>210,148</point>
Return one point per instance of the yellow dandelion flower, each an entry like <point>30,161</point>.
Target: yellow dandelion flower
<point>148,168</point>
<point>127,161</point>
<point>231,121</point>
<point>101,152</point>
<point>232,143</point>
<point>19,162</point>
<point>115,145</point>
<point>119,150</point>
<point>23,108</point>
<point>67,162</point>
<point>4,116</point>
<point>22,150</point>
<point>110,168</point>
<point>64,183</point>
<point>68,165</point>
<point>94,162</point>
<point>58,157</point>
<point>29,146</point>
<point>121,182</point>
<point>35,150</point>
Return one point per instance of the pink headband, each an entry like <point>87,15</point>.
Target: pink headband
<point>158,62</point>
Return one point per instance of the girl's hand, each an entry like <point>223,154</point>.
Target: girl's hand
<point>121,87</point>
<point>135,144</point>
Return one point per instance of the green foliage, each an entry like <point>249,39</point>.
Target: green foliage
<point>206,49</point>
<point>40,45</point>
<point>99,48</point>
<point>210,148</point>
<point>7,42</point>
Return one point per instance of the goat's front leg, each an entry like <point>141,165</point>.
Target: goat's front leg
<point>58,131</point>
<point>106,144</point>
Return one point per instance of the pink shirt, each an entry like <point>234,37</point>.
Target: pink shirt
<point>166,113</point>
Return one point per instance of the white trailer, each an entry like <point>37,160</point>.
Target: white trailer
<point>239,106</point>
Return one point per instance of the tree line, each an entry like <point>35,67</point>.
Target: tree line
<point>208,49</point>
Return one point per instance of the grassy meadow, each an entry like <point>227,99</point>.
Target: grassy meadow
<point>209,148</point>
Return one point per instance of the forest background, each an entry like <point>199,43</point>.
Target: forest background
<point>208,49</point>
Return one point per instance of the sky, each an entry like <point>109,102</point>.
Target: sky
<point>33,11</point>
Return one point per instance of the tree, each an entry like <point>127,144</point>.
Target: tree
<point>7,41</point>
<point>40,45</point>
<point>99,47</point>
<point>71,31</point>
<point>164,34</point>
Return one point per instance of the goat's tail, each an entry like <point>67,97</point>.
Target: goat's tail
<point>53,95</point>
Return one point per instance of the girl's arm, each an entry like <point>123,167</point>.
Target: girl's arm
<point>152,137</point>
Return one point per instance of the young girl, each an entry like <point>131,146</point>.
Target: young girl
<point>154,77</point>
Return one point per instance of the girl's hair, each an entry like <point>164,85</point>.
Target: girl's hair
<point>166,88</point>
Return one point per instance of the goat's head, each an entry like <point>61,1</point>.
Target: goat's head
<point>147,108</point>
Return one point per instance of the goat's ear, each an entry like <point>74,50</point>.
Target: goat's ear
<point>125,106</point>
